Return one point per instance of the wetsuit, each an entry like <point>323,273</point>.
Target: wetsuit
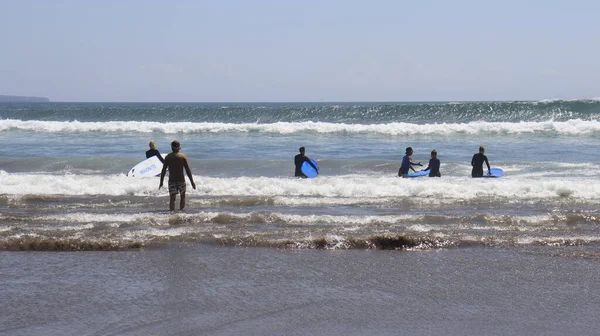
<point>298,161</point>
<point>477,163</point>
<point>434,168</point>
<point>152,152</point>
<point>405,166</point>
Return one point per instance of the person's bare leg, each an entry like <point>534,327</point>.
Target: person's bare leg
<point>172,202</point>
<point>182,201</point>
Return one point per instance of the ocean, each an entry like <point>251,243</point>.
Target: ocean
<point>85,249</point>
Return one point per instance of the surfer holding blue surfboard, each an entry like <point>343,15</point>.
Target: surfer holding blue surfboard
<point>434,165</point>
<point>477,163</point>
<point>300,160</point>
<point>407,163</point>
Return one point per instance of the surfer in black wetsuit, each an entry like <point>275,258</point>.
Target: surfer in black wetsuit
<point>299,160</point>
<point>153,151</point>
<point>477,163</point>
<point>434,165</point>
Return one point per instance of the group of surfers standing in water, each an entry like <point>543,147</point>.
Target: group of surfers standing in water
<point>178,166</point>
<point>407,163</point>
<point>434,164</point>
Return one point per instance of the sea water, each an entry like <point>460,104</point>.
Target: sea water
<point>64,189</point>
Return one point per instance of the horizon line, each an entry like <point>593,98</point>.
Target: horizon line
<point>309,102</point>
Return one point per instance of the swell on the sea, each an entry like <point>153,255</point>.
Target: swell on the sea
<point>551,127</point>
<point>414,112</point>
<point>61,244</point>
<point>375,242</point>
<point>371,243</point>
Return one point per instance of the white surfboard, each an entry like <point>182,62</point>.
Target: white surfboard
<point>148,168</point>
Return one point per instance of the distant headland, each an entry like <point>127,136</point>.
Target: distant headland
<point>21,99</point>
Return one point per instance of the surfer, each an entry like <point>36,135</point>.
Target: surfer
<point>299,159</point>
<point>176,162</point>
<point>407,163</point>
<point>477,163</point>
<point>154,152</point>
<point>434,165</point>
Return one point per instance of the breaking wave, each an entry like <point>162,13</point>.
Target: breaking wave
<point>574,127</point>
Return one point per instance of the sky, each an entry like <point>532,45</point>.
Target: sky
<point>299,50</point>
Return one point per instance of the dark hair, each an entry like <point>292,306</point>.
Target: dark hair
<point>301,149</point>
<point>408,149</point>
<point>175,144</point>
<point>481,149</point>
<point>434,153</point>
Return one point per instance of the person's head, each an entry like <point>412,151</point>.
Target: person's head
<point>409,150</point>
<point>481,149</point>
<point>152,145</point>
<point>433,154</point>
<point>175,146</point>
<point>302,150</point>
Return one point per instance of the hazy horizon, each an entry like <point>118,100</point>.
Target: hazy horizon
<point>313,102</point>
<point>313,51</point>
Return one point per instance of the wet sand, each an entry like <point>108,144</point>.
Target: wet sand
<point>213,290</point>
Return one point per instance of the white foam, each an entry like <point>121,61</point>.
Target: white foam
<point>412,222</point>
<point>369,187</point>
<point>570,127</point>
<point>305,201</point>
<point>83,217</point>
<point>558,241</point>
<point>361,188</point>
<point>65,228</point>
<point>70,184</point>
<point>154,232</point>
<point>558,100</point>
<point>349,221</point>
<point>421,228</point>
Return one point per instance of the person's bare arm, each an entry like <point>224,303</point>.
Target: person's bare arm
<point>188,171</point>
<point>162,174</point>
<point>411,163</point>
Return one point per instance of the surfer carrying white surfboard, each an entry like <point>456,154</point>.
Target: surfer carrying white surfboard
<point>407,163</point>
<point>477,163</point>
<point>176,162</point>
<point>154,152</point>
<point>299,159</point>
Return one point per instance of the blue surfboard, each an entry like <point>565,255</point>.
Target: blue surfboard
<point>308,170</point>
<point>494,172</point>
<point>419,173</point>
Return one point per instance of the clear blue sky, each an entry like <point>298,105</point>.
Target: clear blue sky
<point>299,50</point>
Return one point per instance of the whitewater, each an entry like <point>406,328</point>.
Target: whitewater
<point>63,169</point>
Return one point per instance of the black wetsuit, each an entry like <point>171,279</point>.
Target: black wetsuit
<point>434,168</point>
<point>151,152</point>
<point>298,161</point>
<point>477,163</point>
